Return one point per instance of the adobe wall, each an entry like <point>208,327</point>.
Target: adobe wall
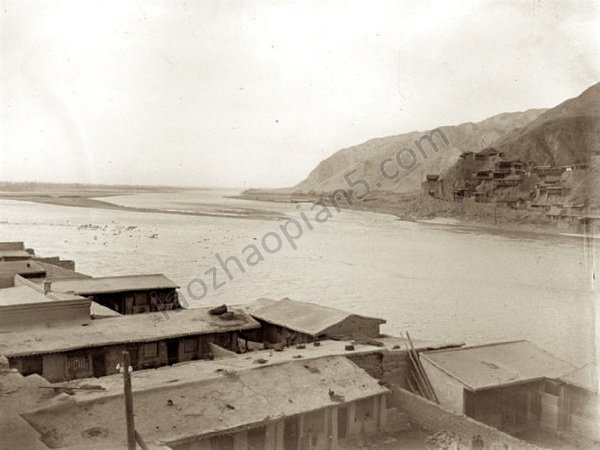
<point>388,366</point>
<point>20,315</point>
<point>56,261</point>
<point>449,391</point>
<point>437,418</point>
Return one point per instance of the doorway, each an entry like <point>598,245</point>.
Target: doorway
<point>342,422</point>
<point>291,433</point>
<point>172,351</point>
<point>98,364</point>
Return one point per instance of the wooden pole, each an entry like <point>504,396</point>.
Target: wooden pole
<point>131,445</point>
<point>421,369</point>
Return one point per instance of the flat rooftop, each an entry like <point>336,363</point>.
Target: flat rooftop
<point>149,327</point>
<point>106,285</point>
<point>14,254</point>
<point>499,364</point>
<point>21,295</point>
<point>181,410</point>
<point>54,272</point>
<point>18,394</point>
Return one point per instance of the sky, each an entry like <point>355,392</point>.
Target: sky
<point>255,93</point>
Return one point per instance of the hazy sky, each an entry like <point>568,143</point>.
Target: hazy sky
<point>256,93</point>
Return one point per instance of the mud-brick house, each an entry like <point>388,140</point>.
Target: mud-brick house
<point>433,186</point>
<point>507,385</point>
<point>131,294</point>
<point>22,307</point>
<point>579,394</point>
<point>14,251</point>
<point>292,322</point>
<point>316,404</point>
<point>73,350</point>
<point>510,166</point>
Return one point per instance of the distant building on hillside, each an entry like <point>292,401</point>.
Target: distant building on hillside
<point>433,186</point>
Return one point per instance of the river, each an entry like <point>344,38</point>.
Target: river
<point>437,281</point>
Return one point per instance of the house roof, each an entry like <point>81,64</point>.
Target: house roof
<point>18,394</point>
<point>104,285</point>
<point>12,245</point>
<point>20,268</point>
<point>496,365</point>
<point>585,377</point>
<point>20,295</point>
<point>308,318</point>
<point>148,327</point>
<point>257,304</point>
<point>54,272</point>
<point>169,411</point>
<point>14,254</point>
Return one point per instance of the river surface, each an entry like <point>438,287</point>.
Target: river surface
<point>437,281</point>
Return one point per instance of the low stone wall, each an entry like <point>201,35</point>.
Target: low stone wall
<point>436,418</point>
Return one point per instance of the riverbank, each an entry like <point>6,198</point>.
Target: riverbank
<point>90,196</point>
<point>418,208</point>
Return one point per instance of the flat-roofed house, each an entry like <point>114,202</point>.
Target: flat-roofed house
<point>130,294</point>
<point>156,339</point>
<point>23,306</point>
<point>293,322</point>
<point>502,384</point>
<point>14,251</point>
<point>312,404</point>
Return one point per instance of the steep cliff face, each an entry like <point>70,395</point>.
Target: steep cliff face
<point>565,134</point>
<point>367,158</point>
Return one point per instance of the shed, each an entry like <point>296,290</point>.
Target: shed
<point>502,384</point>
<point>292,322</point>
<point>130,294</point>
<point>109,285</point>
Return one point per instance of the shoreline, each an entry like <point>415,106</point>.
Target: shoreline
<point>408,207</point>
<point>405,207</point>
<point>91,200</point>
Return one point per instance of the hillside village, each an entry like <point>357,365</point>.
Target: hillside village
<point>533,168</point>
<point>556,191</point>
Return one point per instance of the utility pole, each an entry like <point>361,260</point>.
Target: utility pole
<point>131,445</point>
